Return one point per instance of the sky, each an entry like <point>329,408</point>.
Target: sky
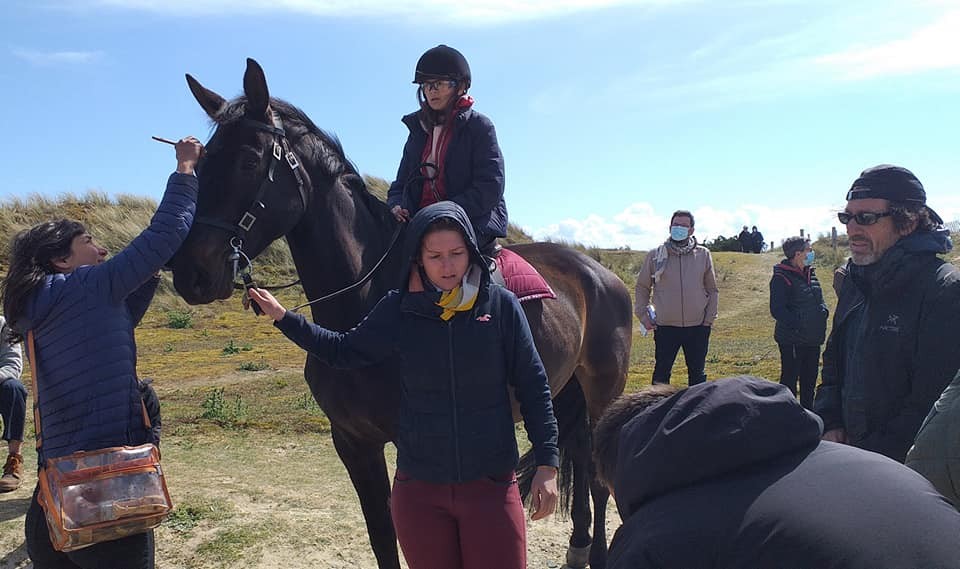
<point>611,114</point>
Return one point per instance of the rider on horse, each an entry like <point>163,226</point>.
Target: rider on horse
<point>452,149</point>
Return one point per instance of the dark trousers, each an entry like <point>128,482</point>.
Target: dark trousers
<point>470,525</point>
<point>133,552</point>
<point>669,339</point>
<point>800,363</point>
<point>13,409</point>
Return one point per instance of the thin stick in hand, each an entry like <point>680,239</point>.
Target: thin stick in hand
<point>159,139</point>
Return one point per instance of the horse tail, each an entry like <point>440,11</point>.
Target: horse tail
<point>570,409</point>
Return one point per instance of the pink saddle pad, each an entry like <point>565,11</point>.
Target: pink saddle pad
<point>521,278</point>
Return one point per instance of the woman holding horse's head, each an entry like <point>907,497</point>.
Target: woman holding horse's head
<point>451,152</point>
<point>82,309</point>
<point>465,345</point>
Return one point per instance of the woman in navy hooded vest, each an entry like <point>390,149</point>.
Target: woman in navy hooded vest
<point>462,343</point>
<point>452,151</point>
<point>82,309</point>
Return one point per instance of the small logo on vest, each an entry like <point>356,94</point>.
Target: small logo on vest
<point>484,318</point>
<point>892,324</point>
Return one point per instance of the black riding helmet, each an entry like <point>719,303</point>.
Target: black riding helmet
<point>443,62</point>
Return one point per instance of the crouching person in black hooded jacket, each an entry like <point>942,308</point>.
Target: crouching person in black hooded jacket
<point>733,474</point>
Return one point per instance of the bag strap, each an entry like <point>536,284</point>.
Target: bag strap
<point>34,372</point>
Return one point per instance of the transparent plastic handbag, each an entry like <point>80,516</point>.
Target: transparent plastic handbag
<point>103,495</point>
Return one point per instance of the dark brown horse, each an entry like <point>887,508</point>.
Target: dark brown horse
<point>268,173</point>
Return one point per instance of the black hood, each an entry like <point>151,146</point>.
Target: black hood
<point>422,220</point>
<point>706,431</point>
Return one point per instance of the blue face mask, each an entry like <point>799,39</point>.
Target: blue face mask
<point>679,233</point>
<point>808,260</point>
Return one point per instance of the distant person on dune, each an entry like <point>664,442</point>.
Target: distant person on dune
<point>746,241</point>
<point>757,239</point>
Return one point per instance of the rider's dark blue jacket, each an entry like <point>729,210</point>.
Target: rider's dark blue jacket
<point>83,323</point>
<point>456,422</point>
<point>473,170</point>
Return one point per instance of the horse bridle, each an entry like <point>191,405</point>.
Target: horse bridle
<point>238,231</point>
<point>281,150</point>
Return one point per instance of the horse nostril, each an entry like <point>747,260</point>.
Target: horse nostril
<point>201,283</point>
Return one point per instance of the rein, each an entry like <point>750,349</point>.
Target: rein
<point>393,243</point>
<point>362,281</point>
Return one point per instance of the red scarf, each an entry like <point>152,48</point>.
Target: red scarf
<point>435,189</point>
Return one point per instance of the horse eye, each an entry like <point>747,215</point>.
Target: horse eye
<point>249,163</point>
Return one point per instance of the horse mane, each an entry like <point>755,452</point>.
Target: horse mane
<point>325,148</point>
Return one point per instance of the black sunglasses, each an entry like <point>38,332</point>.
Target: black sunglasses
<point>862,218</point>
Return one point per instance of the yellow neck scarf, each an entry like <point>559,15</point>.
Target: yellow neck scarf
<point>463,297</point>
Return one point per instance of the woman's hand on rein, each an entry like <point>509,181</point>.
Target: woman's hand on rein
<point>544,492</point>
<point>400,214</point>
<point>270,306</point>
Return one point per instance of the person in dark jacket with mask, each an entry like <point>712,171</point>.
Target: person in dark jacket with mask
<point>796,303</point>
<point>732,474</point>
<point>82,309</point>
<point>465,343</point>
<point>451,152</point>
<point>893,347</point>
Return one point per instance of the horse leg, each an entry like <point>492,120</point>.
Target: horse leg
<point>600,494</point>
<point>571,412</point>
<point>367,468</point>
<point>579,548</point>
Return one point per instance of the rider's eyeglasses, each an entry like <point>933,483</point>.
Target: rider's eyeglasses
<point>438,84</point>
<point>862,218</point>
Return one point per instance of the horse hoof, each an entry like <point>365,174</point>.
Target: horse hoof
<point>577,557</point>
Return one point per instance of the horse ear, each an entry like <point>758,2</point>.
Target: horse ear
<point>209,101</point>
<point>255,88</point>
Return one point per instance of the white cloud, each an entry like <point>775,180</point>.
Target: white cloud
<point>57,57</point>
<point>472,12</point>
<point>754,61</point>
<point>639,226</point>
<point>936,46</point>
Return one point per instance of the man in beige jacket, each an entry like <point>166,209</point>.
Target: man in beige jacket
<point>685,297</point>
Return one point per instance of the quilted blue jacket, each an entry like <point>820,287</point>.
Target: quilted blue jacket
<point>83,328</point>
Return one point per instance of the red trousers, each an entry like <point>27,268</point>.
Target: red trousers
<point>471,525</point>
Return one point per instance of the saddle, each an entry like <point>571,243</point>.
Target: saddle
<point>520,277</point>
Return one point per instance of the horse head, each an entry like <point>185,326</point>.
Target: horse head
<point>253,187</point>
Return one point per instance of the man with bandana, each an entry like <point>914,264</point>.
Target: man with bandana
<point>685,297</point>
<point>893,347</point>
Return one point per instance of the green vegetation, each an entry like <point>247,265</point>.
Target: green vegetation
<point>215,408</point>
<point>179,319</point>
<point>191,511</point>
